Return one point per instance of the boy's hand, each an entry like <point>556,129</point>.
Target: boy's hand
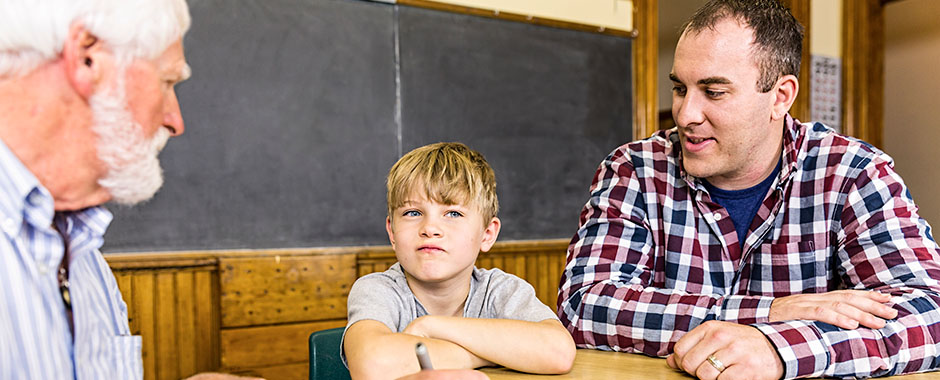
<point>422,326</point>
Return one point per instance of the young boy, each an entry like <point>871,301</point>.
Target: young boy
<point>441,213</point>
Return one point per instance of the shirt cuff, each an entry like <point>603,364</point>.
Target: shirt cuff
<point>745,310</point>
<point>800,346</point>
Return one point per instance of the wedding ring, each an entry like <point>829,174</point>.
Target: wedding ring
<point>715,363</point>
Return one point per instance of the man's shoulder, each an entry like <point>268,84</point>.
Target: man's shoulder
<point>658,152</point>
<point>833,150</point>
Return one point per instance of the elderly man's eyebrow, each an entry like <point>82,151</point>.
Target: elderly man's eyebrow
<point>674,78</point>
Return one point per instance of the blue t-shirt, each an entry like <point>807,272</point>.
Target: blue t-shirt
<point>742,205</point>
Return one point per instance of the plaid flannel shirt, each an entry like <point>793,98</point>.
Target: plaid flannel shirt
<point>654,257</point>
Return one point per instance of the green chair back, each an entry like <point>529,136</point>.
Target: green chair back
<point>325,362</point>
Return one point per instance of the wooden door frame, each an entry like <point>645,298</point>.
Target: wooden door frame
<point>645,65</point>
<point>863,70</point>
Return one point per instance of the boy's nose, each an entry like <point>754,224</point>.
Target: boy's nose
<point>430,229</point>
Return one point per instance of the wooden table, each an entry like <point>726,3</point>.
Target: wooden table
<point>594,364</point>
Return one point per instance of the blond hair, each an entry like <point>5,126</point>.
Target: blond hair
<point>449,173</point>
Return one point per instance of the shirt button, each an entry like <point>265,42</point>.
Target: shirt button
<point>43,269</point>
<point>717,216</point>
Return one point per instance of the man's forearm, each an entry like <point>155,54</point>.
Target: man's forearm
<point>648,320</point>
<point>904,345</point>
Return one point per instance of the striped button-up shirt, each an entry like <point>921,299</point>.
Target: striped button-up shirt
<point>654,257</point>
<point>34,329</point>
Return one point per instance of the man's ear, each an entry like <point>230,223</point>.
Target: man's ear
<point>784,94</point>
<point>391,234</point>
<point>85,60</point>
<point>490,233</point>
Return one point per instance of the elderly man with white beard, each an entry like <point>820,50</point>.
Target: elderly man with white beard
<point>86,104</point>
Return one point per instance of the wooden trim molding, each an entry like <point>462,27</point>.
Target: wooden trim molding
<point>863,70</point>
<point>801,106</point>
<point>645,67</point>
<point>513,17</point>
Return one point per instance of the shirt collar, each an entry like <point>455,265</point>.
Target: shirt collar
<point>21,195</point>
<point>24,199</point>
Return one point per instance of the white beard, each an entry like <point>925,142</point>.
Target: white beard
<point>133,169</point>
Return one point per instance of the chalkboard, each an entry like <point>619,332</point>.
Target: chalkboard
<point>298,108</point>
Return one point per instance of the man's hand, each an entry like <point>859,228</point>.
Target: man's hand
<point>843,308</point>
<point>447,374</point>
<point>743,351</point>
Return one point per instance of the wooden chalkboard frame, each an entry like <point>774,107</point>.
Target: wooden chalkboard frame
<point>516,17</point>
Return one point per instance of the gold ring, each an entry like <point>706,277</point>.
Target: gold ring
<point>715,363</point>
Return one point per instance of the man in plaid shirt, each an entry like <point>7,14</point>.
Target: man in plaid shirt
<point>745,244</point>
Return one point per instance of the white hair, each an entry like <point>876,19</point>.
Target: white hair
<point>134,173</point>
<point>33,32</point>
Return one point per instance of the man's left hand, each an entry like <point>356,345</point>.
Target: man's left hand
<point>742,351</point>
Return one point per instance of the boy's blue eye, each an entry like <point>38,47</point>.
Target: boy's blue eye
<point>411,213</point>
<point>454,214</point>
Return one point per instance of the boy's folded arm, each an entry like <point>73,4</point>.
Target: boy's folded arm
<point>373,351</point>
<point>542,347</point>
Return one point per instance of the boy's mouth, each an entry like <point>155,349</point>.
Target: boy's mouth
<point>430,248</point>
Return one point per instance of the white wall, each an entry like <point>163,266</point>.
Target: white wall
<point>912,80</point>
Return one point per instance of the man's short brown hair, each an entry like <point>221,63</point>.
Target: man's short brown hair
<point>778,36</point>
<point>449,173</point>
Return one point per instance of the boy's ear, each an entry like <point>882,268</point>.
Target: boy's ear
<point>388,228</point>
<point>489,234</point>
<point>85,60</point>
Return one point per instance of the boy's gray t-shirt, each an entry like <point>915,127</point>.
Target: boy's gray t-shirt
<point>386,297</point>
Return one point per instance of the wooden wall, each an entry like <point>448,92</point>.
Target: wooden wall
<point>251,312</point>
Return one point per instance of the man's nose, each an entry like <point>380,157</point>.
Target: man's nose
<point>172,116</point>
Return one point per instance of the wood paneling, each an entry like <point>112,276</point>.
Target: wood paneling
<point>175,311</point>
<point>264,346</point>
<point>251,312</point>
<point>294,371</point>
<point>266,290</point>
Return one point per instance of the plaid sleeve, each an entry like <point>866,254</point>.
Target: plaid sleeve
<point>607,299</point>
<point>883,246</point>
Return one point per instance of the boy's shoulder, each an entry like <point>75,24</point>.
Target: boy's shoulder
<point>496,285</point>
<point>495,278</point>
<point>497,294</point>
<point>391,278</point>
